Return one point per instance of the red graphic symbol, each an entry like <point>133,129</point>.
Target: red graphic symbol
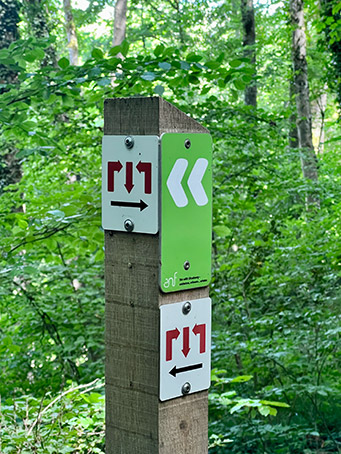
<point>146,168</point>
<point>201,330</point>
<point>129,177</point>
<point>142,167</point>
<point>174,334</point>
<point>113,167</point>
<point>170,336</point>
<point>185,349</point>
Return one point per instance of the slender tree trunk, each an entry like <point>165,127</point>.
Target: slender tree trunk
<point>318,110</point>
<point>38,22</point>
<point>249,41</point>
<point>300,67</point>
<point>9,19</point>
<point>120,20</point>
<point>71,32</point>
<point>10,170</point>
<point>293,132</point>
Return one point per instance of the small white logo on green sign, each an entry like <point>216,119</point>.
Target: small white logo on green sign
<point>186,211</point>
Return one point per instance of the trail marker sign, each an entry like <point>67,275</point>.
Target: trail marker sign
<point>185,348</point>
<point>186,211</point>
<point>130,183</point>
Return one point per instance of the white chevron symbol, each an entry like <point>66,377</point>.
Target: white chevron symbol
<point>194,182</point>
<point>174,183</point>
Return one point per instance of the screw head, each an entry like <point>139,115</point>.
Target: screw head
<point>129,142</point>
<point>187,265</point>
<point>186,308</point>
<point>128,225</point>
<point>186,387</point>
<point>187,143</point>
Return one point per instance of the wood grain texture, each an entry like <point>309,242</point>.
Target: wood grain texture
<point>136,421</point>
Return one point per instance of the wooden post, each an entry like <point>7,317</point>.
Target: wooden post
<point>136,421</point>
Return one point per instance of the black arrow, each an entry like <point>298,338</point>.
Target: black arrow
<point>141,204</point>
<point>179,370</point>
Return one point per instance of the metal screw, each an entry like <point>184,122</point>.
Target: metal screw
<point>129,142</point>
<point>187,143</point>
<point>128,225</point>
<point>187,265</point>
<point>186,388</point>
<point>186,308</point>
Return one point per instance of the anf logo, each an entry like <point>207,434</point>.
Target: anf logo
<point>194,182</point>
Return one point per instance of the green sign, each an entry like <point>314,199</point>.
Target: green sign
<point>186,211</point>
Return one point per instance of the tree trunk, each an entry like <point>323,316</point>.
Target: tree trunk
<point>9,19</point>
<point>318,110</point>
<point>38,23</point>
<point>293,132</point>
<point>301,85</point>
<point>249,41</point>
<point>10,170</point>
<point>71,33</point>
<point>120,20</point>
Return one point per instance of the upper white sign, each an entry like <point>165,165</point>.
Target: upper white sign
<point>185,348</point>
<point>130,183</point>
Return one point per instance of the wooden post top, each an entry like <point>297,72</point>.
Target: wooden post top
<point>146,116</point>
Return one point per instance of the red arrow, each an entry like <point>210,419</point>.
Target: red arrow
<point>185,349</point>
<point>146,167</point>
<point>113,167</point>
<point>129,177</point>
<point>201,330</point>
<point>170,335</point>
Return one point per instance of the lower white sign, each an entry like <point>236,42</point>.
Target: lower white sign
<point>185,348</point>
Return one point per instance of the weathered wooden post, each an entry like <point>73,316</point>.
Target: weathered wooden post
<point>157,218</point>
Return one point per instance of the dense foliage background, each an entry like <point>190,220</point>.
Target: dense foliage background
<point>276,384</point>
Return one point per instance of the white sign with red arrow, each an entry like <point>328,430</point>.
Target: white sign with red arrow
<point>130,183</point>
<point>185,348</point>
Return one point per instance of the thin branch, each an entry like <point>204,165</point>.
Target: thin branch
<point>56,400</point>
<point>52,232</point>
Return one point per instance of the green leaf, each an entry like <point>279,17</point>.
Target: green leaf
<point>185,65</point>
<point>57,214</point>
<point>222,231</point>
<point>239,84</point>
<point>242,379</point>
<point>40,54</point>
<point>165,65</point>
<point>148,76</point>
<point>30,57</point>
<point>159,90</point>
<point>125,47</point>
<point>265,411</point>
<point>193,57</point>
<point>159,50</point>
<point>22,224</point>
<point>235,63</point>
<point>246,78</point>
<point>97,53</point>
<point>63,63</point>
<point>213,64</point>
<point>104,82</point>
<point>115,50</point>
<point>275,404</point>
